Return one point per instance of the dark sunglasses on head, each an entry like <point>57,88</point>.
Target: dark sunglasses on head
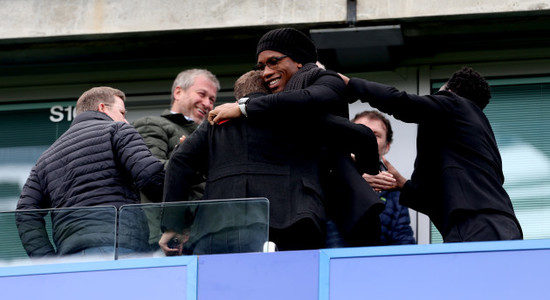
<point>270,62</point>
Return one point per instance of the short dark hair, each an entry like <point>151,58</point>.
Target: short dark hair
<point>91,98</point>
<point>376,115</point>
<point>250,82</point>
<point>471,85</point>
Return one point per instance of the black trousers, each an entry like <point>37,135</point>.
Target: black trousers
<point>483,226</point>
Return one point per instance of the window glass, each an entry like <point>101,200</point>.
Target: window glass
<point>520,119</point>
<point>27,130</point>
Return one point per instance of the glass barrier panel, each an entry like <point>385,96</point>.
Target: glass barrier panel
<point>44,236</point>
<point>195,227</point>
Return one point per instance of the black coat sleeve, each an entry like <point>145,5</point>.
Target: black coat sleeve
<point>347,137</point>
<point>325,95</point>
<point>403,106</point>
<point>188,159</point>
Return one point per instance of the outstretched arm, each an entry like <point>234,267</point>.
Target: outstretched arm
<point>145,169</point>
<point>406,107</point>
<point>324,96</point>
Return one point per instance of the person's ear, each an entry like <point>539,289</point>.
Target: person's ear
<point>299,66</point>
<point>101,107</point>
<point>386,150</point>
<point>177,92</point>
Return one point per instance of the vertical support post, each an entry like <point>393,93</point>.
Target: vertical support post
<point>351,12</point>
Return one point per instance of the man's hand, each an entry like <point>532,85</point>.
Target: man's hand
<point>224,112</point>
<point>172,242</point>
<point>382,181</point>
<point>387,180</point>
<point>400,180</point>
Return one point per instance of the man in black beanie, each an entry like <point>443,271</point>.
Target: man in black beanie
<point>281,54</point>
<point>302,96</point>
<point>291,42</point>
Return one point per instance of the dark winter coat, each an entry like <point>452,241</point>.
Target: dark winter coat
<point>275,153</point>
<point>97,162</point>
<point>162,133</point>
<point>395,221</point>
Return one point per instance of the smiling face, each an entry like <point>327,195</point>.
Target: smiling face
<point>277,75</point>
<point>196,101</point>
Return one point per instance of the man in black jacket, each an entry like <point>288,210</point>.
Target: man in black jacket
<point>278,151</point>
<point>457,179</point>
<point>100,161</point>
<point>220,227</point>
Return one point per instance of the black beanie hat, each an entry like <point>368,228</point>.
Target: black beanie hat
<point>291,42</point>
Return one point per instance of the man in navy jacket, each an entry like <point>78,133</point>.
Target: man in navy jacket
<point>395,219</point>
<point>100,160</point>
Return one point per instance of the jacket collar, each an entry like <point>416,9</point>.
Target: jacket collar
<point>176,118</point>
<point>91,115</point>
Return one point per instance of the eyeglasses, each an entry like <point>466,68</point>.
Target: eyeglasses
<point>270,62</point>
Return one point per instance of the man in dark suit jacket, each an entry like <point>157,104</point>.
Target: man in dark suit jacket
<point>279,150</point>
<point>301,94</point>
<point>253,158</point>
<point>457,179</point>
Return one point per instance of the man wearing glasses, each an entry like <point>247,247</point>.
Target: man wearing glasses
<point>285,152</point>
<point>98,161</point>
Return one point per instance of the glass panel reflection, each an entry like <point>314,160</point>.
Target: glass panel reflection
<point>58,235</point>
<point>96,233</point>
<point>197,227</point>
